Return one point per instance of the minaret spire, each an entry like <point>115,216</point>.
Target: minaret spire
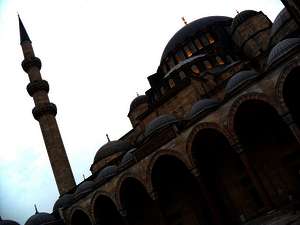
<point>23,33</point>
<point>44,112</point>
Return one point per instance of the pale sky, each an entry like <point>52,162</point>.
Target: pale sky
<point>96,55</point>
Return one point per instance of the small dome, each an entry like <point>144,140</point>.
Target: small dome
<point>40,219</point>
<point>84,187</point>
<point>110,148</point>
<point>202,106</point>
<point>241,18</point>
<point>141,99</point>
<point>280,20</point>
<point>190,30</point>
<point>128,156</point>
<point>107,172</point>
<point>63,201</point>
<point>158,123</point>
<point>238,80</point>
<point>282,48</point>
<point>8,222</point>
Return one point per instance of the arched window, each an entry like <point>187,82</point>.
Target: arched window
<point>182,75</point>
<point>188,51</point>
<point>171,83</point>
<point>195,69</point>
<point>210,38</point>
<point>220,61</point>
<point>192,47</point>
<point>170,62</point>
<point>207,64</point>
<point>204,40</point>
<point>198,43</point>
<point>179,56</point>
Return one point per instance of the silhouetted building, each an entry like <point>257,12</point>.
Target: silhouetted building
<point>215,140</point>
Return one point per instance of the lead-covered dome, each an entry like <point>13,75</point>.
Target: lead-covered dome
<point>63,201</point>
<point>190,30</point>
<point>202,106</point>
<point>239,80</point>
<point>111,148</point>
<point>40,218</point>
<point>8,222</point>
<point>283,27</point>
<point>282,48</point>
<point>107,172</point>
<point>85,187</point>
<point>158,123</point>
<point>141,99</point>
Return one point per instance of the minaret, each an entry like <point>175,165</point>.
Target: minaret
<point>44,112</point>
<point>293,7</point>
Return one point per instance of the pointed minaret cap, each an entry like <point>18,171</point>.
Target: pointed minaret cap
<point>23,33</point>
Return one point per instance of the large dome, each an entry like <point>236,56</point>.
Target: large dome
<point>190,30</point>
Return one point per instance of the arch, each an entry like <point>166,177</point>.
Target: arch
<point>105,211</point>
<point>203,126</point>
<point>178,195</point>
<point>243,98</point>
<point>225,180</point>
<point>120,181</point>
<point>135,200</point>
<point>165,152</point>
<point>79,216</point>
<point>270,147</point>
<point>285,72</point>
<point>102,193</point>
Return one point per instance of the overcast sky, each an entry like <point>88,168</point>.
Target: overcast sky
<point>96,55</point>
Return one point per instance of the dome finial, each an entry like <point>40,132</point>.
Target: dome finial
<point>137,94</point>
<point>83,176</point>
<point>237,12</point>
<point>36,210</point>
<point>184,21</point>
<point>108,140</point>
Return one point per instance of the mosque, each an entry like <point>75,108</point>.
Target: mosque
<point>214,141</point>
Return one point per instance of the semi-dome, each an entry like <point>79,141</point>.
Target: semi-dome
<point>190,30</point>
<point>8,222</point>
<point>107,172</point>
<point>282,48</point>
<point>159,122</point>
<point>110,148</point>
<point>241,18</point>
<point>84,187</point>
<point>128,156</point>
<point>201,106</point>
<point>63,201</point>
<point>141,99</point>
<point>40,218</point>
<point>280,20</point>
<point>238,80</point>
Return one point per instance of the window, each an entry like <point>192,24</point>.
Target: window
<point>179,56</point>
<point>195,69</point>
<point>210,38</point>
<point>170,62</point>
<point>188,51</point>
<point>204,40</point>
<point>220,61</point>
<point>182,75</point>
<point>192,47</point>
<point>198,43</point>
<point>171,83</point>
<point>207,64</point>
